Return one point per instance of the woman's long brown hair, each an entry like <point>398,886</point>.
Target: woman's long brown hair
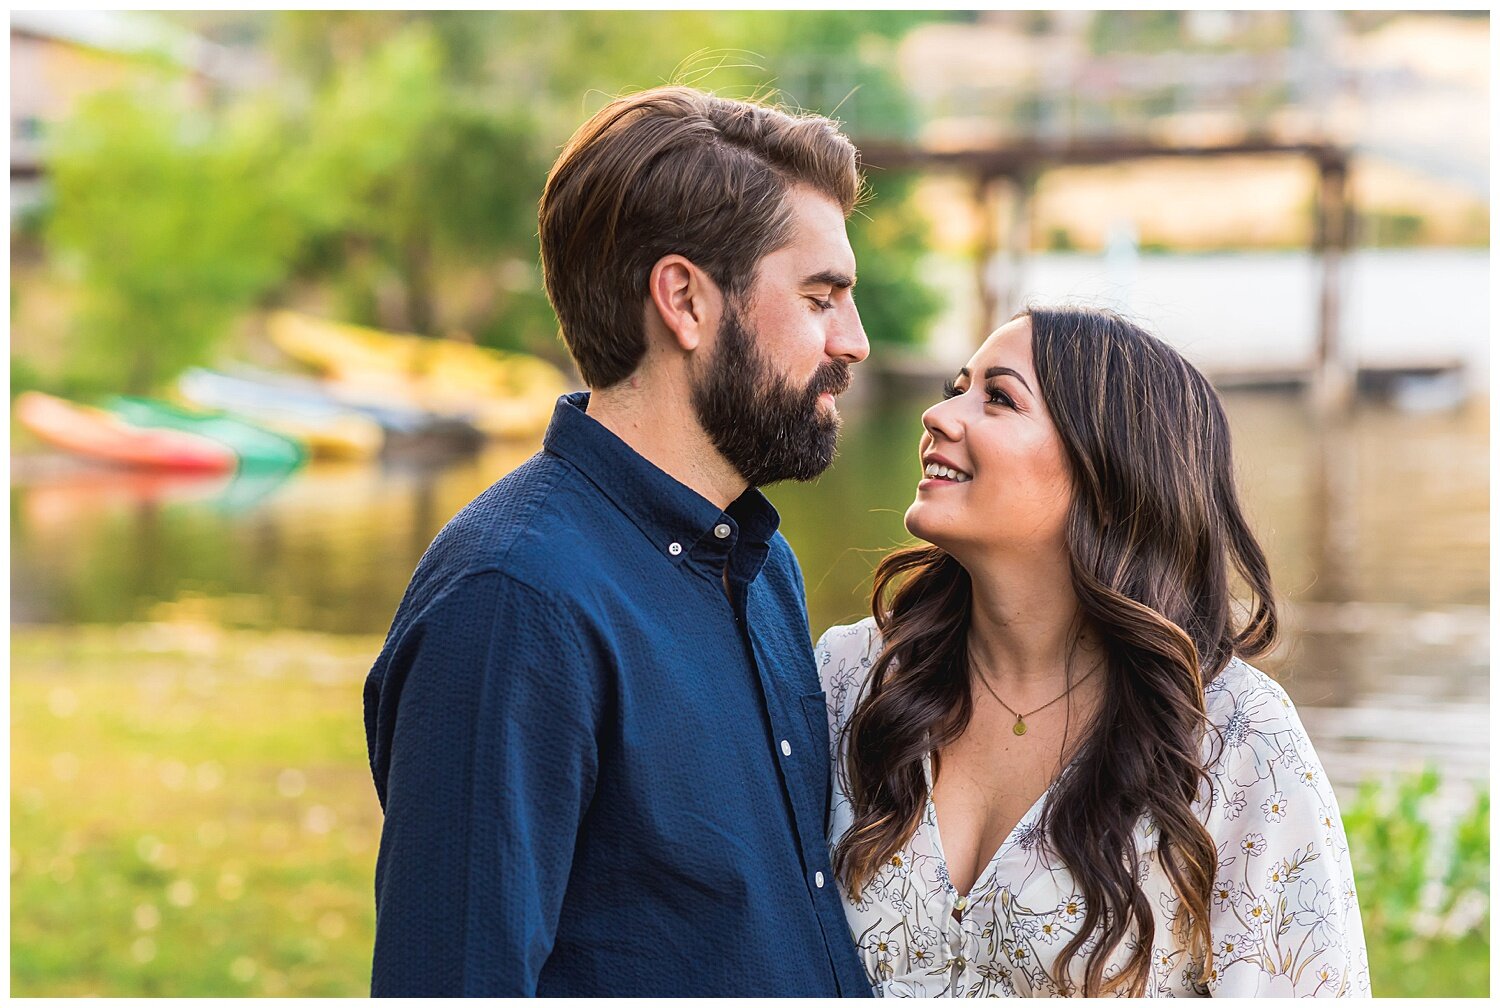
<point>1154,530</point>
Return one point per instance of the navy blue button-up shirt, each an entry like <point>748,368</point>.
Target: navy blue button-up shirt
<point>601,773</point>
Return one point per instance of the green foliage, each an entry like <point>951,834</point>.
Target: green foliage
<point>545,72</point>
<point>889,243</point>
<point>1424,897</point>
<point>1388,228</point>
<point>568,64</point>
<point>1060,239</point>
<point>23,376</point>
<point>402,156</point>
<point>1468,868</point>
<point>162,211</point>
<point>404,175</point>
<point>838,63</point>
<point>316,45</point>
<point>1135,31</point>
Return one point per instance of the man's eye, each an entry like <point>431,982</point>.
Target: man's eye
<point>822,305</point>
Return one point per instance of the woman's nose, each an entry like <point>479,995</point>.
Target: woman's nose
<point>941,420</point>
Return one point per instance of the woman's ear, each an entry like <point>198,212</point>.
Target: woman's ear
<point>685,299</point>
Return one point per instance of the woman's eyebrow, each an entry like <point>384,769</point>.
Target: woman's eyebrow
<point>996,372</point>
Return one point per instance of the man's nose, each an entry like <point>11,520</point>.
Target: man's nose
<point>847,340</point>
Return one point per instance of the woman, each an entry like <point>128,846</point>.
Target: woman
<point>1055,773</point>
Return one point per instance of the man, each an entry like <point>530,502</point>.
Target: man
<point>595,726</point>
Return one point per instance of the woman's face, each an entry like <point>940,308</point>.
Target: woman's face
<point>1012,487</point>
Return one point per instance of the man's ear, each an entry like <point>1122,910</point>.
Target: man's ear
<point>686,299</point>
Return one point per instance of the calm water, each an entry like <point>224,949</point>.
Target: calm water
<point>1377,532</point>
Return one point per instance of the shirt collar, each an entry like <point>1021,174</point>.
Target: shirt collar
<point>681,523</point>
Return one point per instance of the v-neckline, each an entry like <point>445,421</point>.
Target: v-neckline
<point>989,866</point>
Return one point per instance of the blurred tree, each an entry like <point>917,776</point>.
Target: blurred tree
<point>317,44</point>
<point>163,213</point>
<point>404,173</point>
<point>890,244</point>
<point>839,63</point>
<point>1135,31</point>
<point>416,110</point>
<point>401,158</point>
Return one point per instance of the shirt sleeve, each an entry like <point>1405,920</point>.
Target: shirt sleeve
<point>1283,914</point>
<point>844,656</point>
<point>484,724</point>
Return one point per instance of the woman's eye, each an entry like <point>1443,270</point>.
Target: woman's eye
<point>996,396</point>
<point>950,389</point>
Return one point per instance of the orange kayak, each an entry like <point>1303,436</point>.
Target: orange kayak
<point>97,434</point>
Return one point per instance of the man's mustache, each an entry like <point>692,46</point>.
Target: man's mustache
<point>832,377</point>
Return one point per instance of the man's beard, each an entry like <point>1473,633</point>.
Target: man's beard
<point>768,429</point>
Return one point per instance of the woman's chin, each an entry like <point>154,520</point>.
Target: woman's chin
<point>926,526</point>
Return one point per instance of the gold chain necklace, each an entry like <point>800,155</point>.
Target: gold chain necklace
<point>1019,728</point>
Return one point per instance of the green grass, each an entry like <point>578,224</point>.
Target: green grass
<point>1440,967</point>
<point>192,814</point>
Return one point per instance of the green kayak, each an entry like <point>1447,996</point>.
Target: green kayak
<point>256,447</point>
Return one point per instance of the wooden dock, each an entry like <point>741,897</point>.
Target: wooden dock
<point>1330,379</point>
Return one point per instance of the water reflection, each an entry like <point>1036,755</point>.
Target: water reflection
<point>1377,530</point>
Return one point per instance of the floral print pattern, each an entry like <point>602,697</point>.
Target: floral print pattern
<point>1283,913</point>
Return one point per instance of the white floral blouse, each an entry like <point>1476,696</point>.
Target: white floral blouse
<point>1284,917</point>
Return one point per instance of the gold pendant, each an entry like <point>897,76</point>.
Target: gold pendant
<point>1020,727</point>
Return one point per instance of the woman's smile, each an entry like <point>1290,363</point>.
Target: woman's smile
<point>939,471</point>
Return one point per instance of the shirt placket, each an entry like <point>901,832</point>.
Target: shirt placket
<point>808,824</point>
<point>714,555</point>
<point>779,711</point>
<point>958,955</point>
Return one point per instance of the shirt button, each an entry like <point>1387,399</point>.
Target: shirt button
<point>722,531</point>
<point>786,748</point>
<point>818,880</point>
<point>675,548</point>
<point>962,904</point>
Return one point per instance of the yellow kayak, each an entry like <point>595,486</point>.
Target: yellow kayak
<point>505,394</point>
<point>346,437</point>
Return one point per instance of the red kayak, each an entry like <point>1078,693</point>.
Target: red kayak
<point>96,434</point>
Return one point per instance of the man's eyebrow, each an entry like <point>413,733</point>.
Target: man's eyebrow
<point>996,372</point>
<point>834,279</point>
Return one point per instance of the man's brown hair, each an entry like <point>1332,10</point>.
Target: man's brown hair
<point>673,170</point>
